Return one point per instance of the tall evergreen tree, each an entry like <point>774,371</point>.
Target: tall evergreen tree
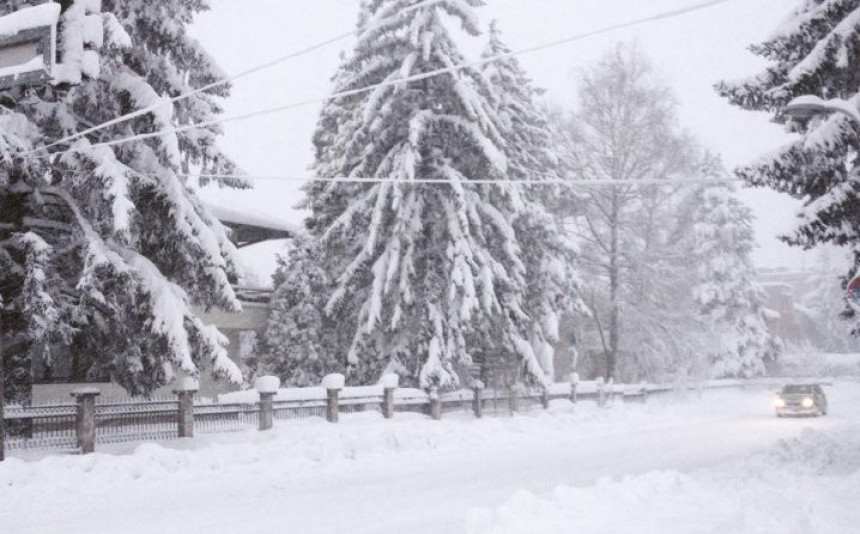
<point>425,276</point>
<point>301,342</point>
<point>727,294</point>
<point>548,255</point>
<point>814,52</point>
<point>105,249</point>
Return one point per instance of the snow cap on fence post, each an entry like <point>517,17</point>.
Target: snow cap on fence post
<point>187,384</point>
<point>85,418</point>
<point>267,384</point>
<point>332,383</point>
<point>477,404</point>
<point>267,387</point>
<point>390,382</point>
<point>185,389</point>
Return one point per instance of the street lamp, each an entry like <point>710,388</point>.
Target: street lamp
<point>807,106</point>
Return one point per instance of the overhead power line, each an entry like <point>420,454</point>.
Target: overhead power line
<point>273,63</point>
<point>547,181</point>
<point>418,77</point>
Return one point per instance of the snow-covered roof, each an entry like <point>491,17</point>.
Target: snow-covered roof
<point>771,314</point>
<point>233,216</point>
<point>29,18</point>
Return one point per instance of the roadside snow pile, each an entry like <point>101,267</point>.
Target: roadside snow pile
<point>301,444</point>
<point>677,464</point>
<point>809,362</point>
<point>813,453</point>
<point>809,484</point>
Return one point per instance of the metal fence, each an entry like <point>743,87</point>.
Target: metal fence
<point>292,410</point>
<point>40,427</point>
<point>214,418</point>
<point>136,420</point>
<point>59,427</point>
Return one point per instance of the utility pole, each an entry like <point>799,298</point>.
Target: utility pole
<point>2,402</point>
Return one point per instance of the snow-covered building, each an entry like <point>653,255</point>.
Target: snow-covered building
<point>240,328</point>
<point>788,316</point>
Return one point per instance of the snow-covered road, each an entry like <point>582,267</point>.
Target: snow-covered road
<point>687,464</point>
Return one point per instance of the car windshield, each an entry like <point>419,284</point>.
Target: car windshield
<point>798,390</point>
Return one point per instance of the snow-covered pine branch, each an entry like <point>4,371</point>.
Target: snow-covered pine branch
<point>814,52</point>
<point>141,248</point>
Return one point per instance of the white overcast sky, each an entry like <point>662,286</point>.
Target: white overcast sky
<point>692,52</point>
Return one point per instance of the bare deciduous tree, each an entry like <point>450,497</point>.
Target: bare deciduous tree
<point>625,129</point>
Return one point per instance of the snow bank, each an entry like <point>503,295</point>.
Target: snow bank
<point>560,389</point>
<point>284,394</point>
<point>373,468</point>
<point>779,490</point>
<point>312,394</point>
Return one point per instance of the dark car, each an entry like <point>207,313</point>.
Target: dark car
<point>801,399</point>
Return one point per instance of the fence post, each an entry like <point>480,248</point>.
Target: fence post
<point>477,403</point>
<point>435,404</point>
<point>185,390</point>
<point>601,392</point>
<point>332,383</point>
<point>85,418</point>
<point>644,387</point>
<point>512,398</point>
<point>544,399</point>
<point>267,386</point>
<point>2,408</point>
<point>574,380</point>
<point>389,385</point>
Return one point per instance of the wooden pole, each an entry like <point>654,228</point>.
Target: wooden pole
<point>2,405</point>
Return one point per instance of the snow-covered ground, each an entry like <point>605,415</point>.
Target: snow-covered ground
<point>719,463</point>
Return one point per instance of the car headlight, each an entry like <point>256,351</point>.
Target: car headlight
<point>807,402</point>
<point>779,403</point>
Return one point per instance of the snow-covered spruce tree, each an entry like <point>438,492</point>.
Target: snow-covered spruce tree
<point>425,276</point>
<point>551,283</point>
<point>105,249</point>
<point>730,300</point>
<point>815,51</point>
<point>301,342</point>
